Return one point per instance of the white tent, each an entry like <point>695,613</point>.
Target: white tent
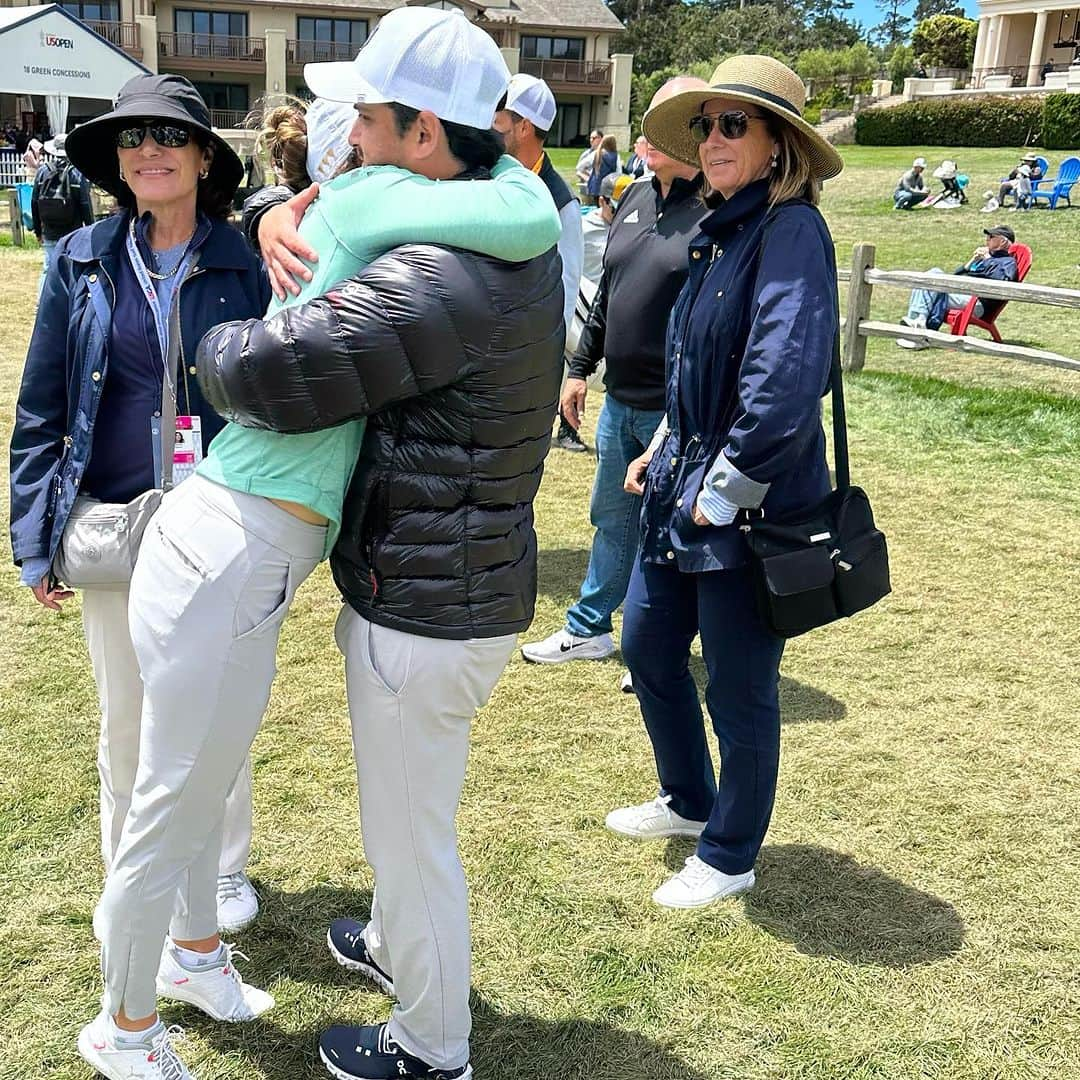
<point>45,50</point>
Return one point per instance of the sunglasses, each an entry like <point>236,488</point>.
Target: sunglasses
<point>163,134</point>
<point>733,125</point>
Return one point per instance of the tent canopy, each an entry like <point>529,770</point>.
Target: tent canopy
<point>48,51</point>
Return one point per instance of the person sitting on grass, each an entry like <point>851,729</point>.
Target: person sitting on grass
<point>994,259</point>
<point>911,188</point>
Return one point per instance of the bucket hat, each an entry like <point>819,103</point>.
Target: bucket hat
<point>56,146</point>
<point>945,171</point>
<point>759,80</point>
<point>91,147</point>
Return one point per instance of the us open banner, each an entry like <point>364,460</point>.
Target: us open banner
<point>47,51</point>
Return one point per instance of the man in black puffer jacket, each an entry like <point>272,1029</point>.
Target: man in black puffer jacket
<point>456,360</point>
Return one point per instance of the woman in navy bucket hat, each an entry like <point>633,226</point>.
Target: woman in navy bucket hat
<point>92,390</point>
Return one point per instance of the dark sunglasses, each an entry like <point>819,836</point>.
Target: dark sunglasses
<point>732,124</point>
<point>163,134</point>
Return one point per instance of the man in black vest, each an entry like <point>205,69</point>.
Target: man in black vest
<point>645,266</point>
<point>524,119</point>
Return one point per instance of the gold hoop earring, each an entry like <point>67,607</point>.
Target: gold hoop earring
<point>204,174</point>
<point>122,177</point>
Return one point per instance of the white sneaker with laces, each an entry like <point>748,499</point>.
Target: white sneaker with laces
<point>563,646</point>
<point>652,821</point>
<point>217,989</point>
<point>156,1059</point>
<point>919,322</point>
<point>237,903</point>
<point>698,884</point>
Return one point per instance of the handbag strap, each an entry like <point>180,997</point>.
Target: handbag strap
<point>839,422</point>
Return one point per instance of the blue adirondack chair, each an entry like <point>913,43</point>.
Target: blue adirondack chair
<point>1068,174</point>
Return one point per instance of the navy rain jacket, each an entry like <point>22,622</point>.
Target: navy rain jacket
<point>750,345</point>
<point>68,362</point>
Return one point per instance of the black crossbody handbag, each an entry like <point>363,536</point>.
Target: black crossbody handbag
<point>830,562</point>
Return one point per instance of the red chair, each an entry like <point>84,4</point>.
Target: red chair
<point>959,319</point>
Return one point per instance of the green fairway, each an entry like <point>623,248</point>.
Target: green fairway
<point>917,915</point>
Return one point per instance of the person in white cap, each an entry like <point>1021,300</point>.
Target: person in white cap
<point>59,202</point>
<point>911,187</point>
<point>271,505</point>
<point>524,118</point>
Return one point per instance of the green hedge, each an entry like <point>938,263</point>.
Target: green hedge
<point>1061,122</point>
<point>991,121</point>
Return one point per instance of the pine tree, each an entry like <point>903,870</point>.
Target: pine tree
<point>925,8</point>
<point>896,24</point>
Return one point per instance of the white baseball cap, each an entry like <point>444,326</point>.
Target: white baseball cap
<point>425,58</point>
<point>328,127</point>
<point>919,163</point>
<point>530,97</point>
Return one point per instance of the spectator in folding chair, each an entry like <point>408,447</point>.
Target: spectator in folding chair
<point>927,308</point>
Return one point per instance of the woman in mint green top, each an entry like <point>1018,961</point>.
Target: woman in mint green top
<point>356,218</point>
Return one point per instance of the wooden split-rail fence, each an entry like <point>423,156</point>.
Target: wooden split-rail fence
<point>858,327</point>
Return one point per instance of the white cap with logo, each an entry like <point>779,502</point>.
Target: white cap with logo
<point>328,127</point>
<point>531,98</point>
<point>426,58</point>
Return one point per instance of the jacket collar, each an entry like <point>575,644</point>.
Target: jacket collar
<point>222,249</point>
<point>679,190</point>
<point>747,202</point>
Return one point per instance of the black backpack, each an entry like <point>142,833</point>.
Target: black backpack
<point>56,207</point>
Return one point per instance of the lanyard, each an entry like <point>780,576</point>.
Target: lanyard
<point>160,314</point>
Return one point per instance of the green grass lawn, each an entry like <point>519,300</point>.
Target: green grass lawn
<point>918,909</point>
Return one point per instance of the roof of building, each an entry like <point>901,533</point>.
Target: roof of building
<point>557,14</point>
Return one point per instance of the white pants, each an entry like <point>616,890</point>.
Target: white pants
<point>412,700</point>
<point>216,575</point>
<point>120,697</point>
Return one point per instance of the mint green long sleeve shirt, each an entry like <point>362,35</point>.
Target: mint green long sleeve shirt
<point>357,217</point>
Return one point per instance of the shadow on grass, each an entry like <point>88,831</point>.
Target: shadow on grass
<point>289,936</point>
<point>505,1046</point>
<point>827,904</point>
<point>560,572</point>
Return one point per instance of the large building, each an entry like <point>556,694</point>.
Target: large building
<point>1019,38</point>
<point>238,53</point>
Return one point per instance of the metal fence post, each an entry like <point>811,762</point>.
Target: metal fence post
<point>858,307</point>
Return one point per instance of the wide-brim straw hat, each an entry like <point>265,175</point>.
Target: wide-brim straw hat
<point>91,147</point>
<point>759,80</point>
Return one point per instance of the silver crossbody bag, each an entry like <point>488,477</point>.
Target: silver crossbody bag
<point>100,542</point>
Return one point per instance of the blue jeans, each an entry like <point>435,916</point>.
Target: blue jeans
<point>933,306</point>
<point>47,249</point>
<point>622,433</point>
<point>665,610</point>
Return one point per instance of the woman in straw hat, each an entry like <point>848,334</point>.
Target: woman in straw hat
<point>750,344</point>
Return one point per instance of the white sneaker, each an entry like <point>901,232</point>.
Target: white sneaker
<point>563,646</point>
<point>698,883</point>
<point>907,343</point>
<point>237,903</point>
<point>218,990</point>
<point>652,821</point>
<point>918,323</point>
<point>627,684</point>
<point>156,1059</point>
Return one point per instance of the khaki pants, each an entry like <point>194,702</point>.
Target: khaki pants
<point>120,696</point>
<point>412,700</point>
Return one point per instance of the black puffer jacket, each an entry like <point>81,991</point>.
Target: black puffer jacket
<point>457,359</point>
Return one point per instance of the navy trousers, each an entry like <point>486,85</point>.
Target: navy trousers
<point>664,610</point>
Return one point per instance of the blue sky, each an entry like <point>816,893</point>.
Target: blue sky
<point>866,12</point>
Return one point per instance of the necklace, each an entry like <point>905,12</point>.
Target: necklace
<point>168,273</point>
